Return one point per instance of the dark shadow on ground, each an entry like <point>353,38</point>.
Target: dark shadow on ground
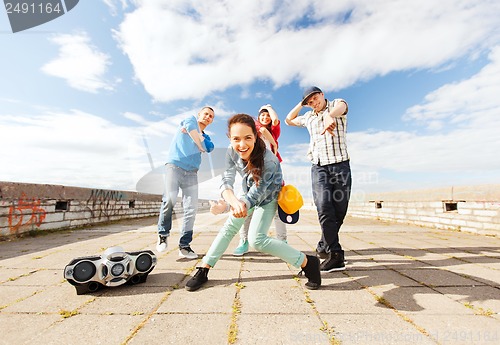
<point>422,275</point>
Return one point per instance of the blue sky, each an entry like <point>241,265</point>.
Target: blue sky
<point>79,94</point>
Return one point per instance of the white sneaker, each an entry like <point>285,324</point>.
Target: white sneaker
<point>162,244</point>
<point>187,253</point>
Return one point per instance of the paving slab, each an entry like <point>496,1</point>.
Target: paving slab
<point>283,328</point>
<point>88,329</point>
<point>460,329</point>
<point>402,285</point>
<point>388,328</point>
<point>22,328</point>
<point>194,328</point>
<point>481,299</point>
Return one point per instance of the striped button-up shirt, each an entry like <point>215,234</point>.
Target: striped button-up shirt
<point>325,148</point>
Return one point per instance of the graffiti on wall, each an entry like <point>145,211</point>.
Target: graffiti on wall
<point>104,203</point>
<point>27,212</point>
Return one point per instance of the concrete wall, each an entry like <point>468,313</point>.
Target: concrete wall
<point>466,208</point>
<point>28,207</point>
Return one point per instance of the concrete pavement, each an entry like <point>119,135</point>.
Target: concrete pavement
<point>403,285</point>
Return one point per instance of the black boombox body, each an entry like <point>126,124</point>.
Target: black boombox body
<point>113,268</point>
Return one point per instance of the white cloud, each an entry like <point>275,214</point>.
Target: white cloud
<point>80,63</point>
<point>73,148</point>
<point>468,102</point>
<point>114,4</point>
<point>188,50</point>
<point>464,150</point>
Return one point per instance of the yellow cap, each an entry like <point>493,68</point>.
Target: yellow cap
<point>289,199</point>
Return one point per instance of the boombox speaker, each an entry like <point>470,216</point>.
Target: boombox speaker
<point>113,268</point>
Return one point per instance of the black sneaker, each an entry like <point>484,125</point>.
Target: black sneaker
<point>200,278</point>
<point>161,244</point>
<point>321,254</point>
<point>312,273</point>
<point>187,253</point>
<point>334,262</point>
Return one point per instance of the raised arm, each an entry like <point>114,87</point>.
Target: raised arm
<point>272,113</point>
<point>291,118</point>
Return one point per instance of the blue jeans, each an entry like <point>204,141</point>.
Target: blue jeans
<point>331,186</point>
<point>187,181</point>
<point>257,237</point>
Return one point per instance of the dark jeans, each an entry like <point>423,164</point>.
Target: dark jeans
<point>331,186</point>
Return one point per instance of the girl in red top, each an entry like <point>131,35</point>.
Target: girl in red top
<point>269,128</point>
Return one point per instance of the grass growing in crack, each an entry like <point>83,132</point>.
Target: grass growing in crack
<point>190,270</point>
<point>11,279</point>
<point>325,329</point>
<point>233,327</point>
<point>146,319</point>
<point>68,313</point>
<point>479,310</point>
<point>308,298</point>
<point>487,312</point>
<point>232,335</point>
<point>329,331</point>
<point>383,301</point>
<point>386,303</point>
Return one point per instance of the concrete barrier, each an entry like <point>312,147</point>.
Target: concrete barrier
<point>464,208</point>
<point>26,207</point>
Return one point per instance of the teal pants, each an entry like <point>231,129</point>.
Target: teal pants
<point>257,237</point>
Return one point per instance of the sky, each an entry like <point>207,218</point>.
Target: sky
<point>93,98</point>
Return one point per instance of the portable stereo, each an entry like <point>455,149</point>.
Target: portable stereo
<point>113,268</point>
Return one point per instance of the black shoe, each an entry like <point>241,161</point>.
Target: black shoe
<point>312,273</point>
<point>200,278</point>
<point>187,253</point>
<point>321,254</point>
<point>334,262</point>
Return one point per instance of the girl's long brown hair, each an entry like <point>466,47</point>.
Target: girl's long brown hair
<point>256,160</point>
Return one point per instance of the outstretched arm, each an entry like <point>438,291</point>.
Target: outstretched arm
<point>238,207</point>
<point>218,207</point>
<point>197,138</point>
<point>339,109</point>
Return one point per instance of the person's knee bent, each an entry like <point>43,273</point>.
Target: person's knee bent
<point>257,241</point>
